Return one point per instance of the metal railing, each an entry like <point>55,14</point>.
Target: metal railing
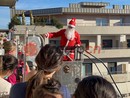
<point>119,76</point>
<point>103,24</point>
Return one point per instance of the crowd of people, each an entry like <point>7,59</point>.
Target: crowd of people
<point>40,83</point>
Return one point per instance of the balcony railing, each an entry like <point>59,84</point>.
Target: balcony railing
<point>118,77</point>
<point>113,48</point>
<point>103,24</point>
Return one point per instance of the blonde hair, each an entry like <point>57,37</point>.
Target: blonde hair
<point>9,46</point>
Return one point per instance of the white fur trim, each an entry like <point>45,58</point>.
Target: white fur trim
<point>71,53</point>
<point>71,25</point>
<point>77,44</point>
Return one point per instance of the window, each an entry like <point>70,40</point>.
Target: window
<point>117,22</point>
<point>87,69</point>
<point>112,66</point>
<point>128,43</point>
<point>107,43</point>
<point>101,22</point>
<point>121,69</point>
<point>54,42</point>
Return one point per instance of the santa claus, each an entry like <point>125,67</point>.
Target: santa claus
<point>69,39</point>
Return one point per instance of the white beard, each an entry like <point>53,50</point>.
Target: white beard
<point>70,33</point>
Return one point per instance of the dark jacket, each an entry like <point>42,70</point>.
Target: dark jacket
<point>19,91</point>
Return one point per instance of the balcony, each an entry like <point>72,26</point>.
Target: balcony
<point>122,81</point>
<point>85,30</point>
<point>103,24</point>
<point>110,53</point>
<point>118,78</point>
<point>103,30</point>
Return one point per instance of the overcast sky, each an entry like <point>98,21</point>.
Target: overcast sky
<point>41,4</point>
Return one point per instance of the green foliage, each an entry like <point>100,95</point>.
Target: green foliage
<point>14,21</point>
<point>43,21</point>
<point>31,18</point>
<point>40,21</point>
<point>56,23</point>
<point>23,18</point>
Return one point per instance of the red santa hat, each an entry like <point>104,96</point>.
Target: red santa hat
<point>72,22</point>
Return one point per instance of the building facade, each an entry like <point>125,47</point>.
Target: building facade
<point>104,31</point>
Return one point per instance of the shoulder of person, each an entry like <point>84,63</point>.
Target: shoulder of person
<point>18,90</point>
<point>65,91</point>
<point>19,86</point>
<point>4,86</point>
<point>5,82</point>
<point>63,87</point>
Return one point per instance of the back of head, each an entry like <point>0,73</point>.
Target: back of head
<point>9,62</point>
<point>49,58</point>
<point>49,90</point>
<point>95,87</point>
<point>8,46</point>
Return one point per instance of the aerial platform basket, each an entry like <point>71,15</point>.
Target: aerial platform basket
<point>70,74</point>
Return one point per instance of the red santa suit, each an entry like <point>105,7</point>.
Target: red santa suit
<point>66,41</point>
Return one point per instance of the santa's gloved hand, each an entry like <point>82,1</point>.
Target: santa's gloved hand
<point>80,49</point>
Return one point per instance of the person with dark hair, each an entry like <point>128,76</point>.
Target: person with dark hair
<point>48,60</point>
<point>49,90</point>
<point>95,87</point>
<point>10,48</point>
<point>9,63</point>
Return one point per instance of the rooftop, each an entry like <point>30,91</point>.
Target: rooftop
<point>9,3</point>
<point>80,8</point>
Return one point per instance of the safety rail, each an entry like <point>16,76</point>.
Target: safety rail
<point>103,24</point>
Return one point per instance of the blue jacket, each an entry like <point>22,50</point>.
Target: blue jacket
<point>19,91</point>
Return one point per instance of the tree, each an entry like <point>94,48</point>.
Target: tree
<point>31,18</point>
<point>23,18</point>
<point>14,21</point>
<point>39,21</point>
<point>56,23</point>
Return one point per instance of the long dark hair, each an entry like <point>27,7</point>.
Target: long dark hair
<point>51,88</point>
<point>9,62</point>
<point>95,87</point>
<point>48,60</point>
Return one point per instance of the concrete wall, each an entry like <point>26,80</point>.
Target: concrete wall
<point>89,30</point>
